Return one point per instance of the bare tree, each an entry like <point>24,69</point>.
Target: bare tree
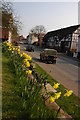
<point>38,29</point>
<point>9,19</point>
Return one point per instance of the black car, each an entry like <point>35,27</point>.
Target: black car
<point>30,47</point>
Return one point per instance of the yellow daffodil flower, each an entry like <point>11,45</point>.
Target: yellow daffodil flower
<point>20,55</point>
<point>26,72</point>
<point>13,48</point>
<point>25,60</point>
<point>19,47</point>
<point>12,51</point>
<point>18,50</point>
<point>68,93</point>
<point>29,58</point>
<point>57,95</point>
<point>23,53</point>
<point>28,64</point>
<point>26,56</point>
<point>56,85</point>
<point>52,99</point>
<point>29,72</point>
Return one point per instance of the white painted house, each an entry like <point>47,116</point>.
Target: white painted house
<point>34,39</point>
<point>64,39</point>
<point>75,40</point>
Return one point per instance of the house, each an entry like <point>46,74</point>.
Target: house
<point>64,40</point>
<point>34,38</point>
<point>4,34</point>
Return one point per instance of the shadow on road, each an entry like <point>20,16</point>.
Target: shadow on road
<point>38,60</point>
<point>69,60</point>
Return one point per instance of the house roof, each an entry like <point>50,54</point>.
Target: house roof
<point>63,32</point>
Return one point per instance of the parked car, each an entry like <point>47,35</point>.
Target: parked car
<point>48,55</point>
<point>30,47</point>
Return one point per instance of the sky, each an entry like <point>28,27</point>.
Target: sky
<point>52,15</point>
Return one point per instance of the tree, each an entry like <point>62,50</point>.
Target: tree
<point>38,29</point>
<point>10,21</point>
<point>7,15</point>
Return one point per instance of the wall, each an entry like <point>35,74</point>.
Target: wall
<point>34,39</point>
<point>78,48</point>
<point>5,33</point>
<point>74,43</point>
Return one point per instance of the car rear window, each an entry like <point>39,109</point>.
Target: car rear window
<point>50,52</point>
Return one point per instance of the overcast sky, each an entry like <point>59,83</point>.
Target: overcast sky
<point>52,15</point>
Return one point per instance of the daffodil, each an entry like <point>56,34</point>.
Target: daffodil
<point>57,95</point>
<point>56,85</point>
<point>26,72</point>
<point>68,93</point>
<point>23,53</point>
<point>29,72</point>
<point>28,64</point>
<point>25,60</point>
<point>52,99</point>
<point>12,51</point>
<point>13,48</point>
<point>18,50</point>
<point>19,47</point>
<point>29,58</point>
<point>26,56</point>
<point>20,55</point>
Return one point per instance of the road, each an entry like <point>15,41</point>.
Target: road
<point>64,71</point>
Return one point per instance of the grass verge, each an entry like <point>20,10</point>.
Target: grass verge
<point>70,105</point>
<point>20,102</point>
<point>11,101</point>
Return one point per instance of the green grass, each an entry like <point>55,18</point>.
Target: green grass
<point>16,106</point>
<point>11,101</point>
<point>70,105</point>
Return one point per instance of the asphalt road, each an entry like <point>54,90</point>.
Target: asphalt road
<point>65,71</point>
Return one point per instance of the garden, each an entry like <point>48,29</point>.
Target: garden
<point>22,84</point>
